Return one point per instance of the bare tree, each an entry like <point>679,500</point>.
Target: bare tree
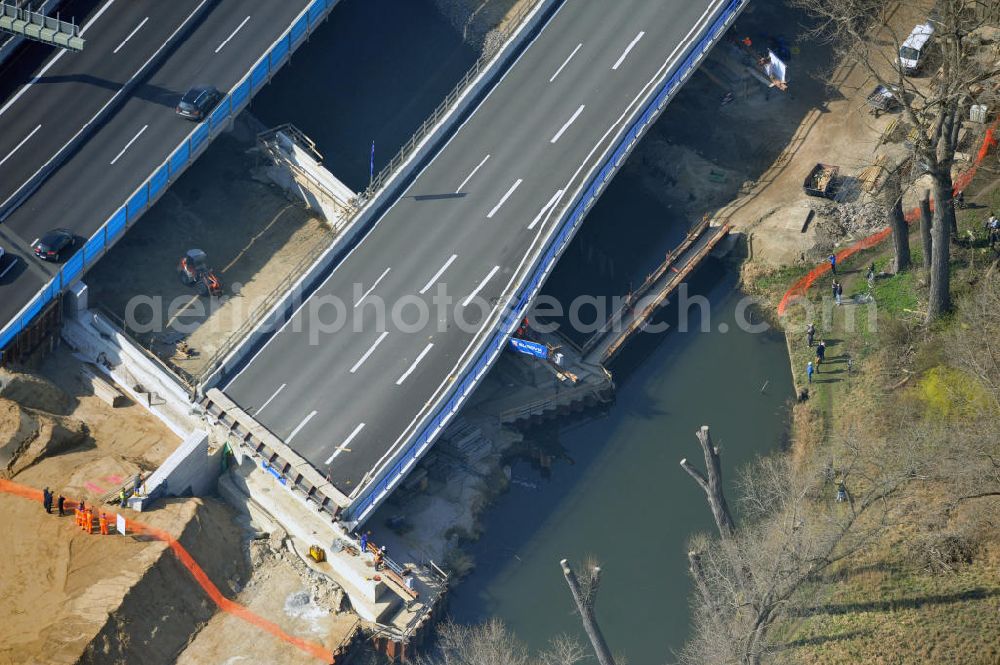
<point>892,194</point>
<point>585,595</point>
<point>926,222</point>
<point>712,484</point>
<point>793,530</point>
<point>864,34</point>
<point>491,643</point>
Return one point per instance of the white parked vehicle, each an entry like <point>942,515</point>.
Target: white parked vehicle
<point>914,49</point>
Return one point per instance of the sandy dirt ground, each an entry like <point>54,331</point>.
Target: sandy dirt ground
<point>58,583</point>
<point>746,164</point>
<point>71,597</point>
<point>475,19</point>
<point>279,591</point>
<point>254,238</point>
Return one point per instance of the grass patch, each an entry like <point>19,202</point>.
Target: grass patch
<point>897,294</point>
<point>887,605</point>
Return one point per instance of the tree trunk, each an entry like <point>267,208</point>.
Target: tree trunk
<point>926,221</point>
<point>939,298</point>
<point>713,484</point>
<point>897,222</point>
<point>698,574</point>
<point>587,615</point>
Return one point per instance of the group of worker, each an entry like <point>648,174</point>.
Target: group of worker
<point>85,516</point>
<point>368,546</point>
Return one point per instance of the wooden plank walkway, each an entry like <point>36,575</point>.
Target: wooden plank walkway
<point>654,292</point>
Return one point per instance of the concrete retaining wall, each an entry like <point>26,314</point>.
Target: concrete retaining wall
<point>191,470</point>
<point>378,204</point>
<point>304,177</point>
<point>98,341</point>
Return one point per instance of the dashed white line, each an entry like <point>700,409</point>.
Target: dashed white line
<point>569,122</point>
<point>504,198</point>
<point>233,34</point>
<point>628,48</point>
<point>565,62</point>
<point>369,291</point>
<point>300,426</point>
<point>371,350</point>
<point>343,447</point>
<point>18,146</point>
<point>434,279</point>
<point>416,362</point>
<point>129,144</point>
<point>465,303</point>
<point>270,399</point>
<point>131,34</point>
<point>552,202</point>
<point>469,177</point>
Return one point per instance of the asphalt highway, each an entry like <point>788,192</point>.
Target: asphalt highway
<point>224,38</point>
<point>472,223</point>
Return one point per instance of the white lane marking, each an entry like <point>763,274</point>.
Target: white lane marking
<point>504,198</point>
<point>34,242</point>
<point>300,426</point>
<point>416,362</point>
<point>568,123</point>
<point>566,62</point>
<point>434,279</point>
<point>467,357</point>
<point>18,146</point>
<point>231,382</point>
<point>233,34</point>
<point>53,61</point>
<point>369,291</point>
<point>550,204</point>
<point>129,145</point>
<point>465,303</point>
<point>469,177</point>
<point>628,48</point>
<point>371,349</point>
<point>131,34</point>
<point>13,262</point>
<point>343,447</point>
<point>100,110</point>
<point>269,399</point>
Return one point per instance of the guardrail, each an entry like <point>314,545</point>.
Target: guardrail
<point>179,159</point>
<point>431,122</point>
<point>360,509</point>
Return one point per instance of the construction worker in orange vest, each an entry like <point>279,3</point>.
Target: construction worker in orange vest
<point>77,516</point>
<point>88,521</point>
<point>104,524</point>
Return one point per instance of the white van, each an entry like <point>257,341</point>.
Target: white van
<point>913,50</point>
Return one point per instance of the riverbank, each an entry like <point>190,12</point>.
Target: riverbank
<point>925,589</point>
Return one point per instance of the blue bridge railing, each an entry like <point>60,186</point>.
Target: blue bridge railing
<point>361,508</point>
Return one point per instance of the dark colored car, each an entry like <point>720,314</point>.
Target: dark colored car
<point>52,245</point>
<point>198,102</point>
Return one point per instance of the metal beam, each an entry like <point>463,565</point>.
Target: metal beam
<point>39,27</point>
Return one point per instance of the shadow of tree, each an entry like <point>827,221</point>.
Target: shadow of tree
<point>891,605</point>
<point>824,639</point>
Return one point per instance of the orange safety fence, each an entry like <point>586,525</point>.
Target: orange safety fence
<point>799,288</point>
<point>313,649</point>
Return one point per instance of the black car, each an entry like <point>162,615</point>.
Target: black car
<point>52,245</point>
<point>198,102</point>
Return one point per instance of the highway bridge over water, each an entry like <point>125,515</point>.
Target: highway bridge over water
<point>481,220</point>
